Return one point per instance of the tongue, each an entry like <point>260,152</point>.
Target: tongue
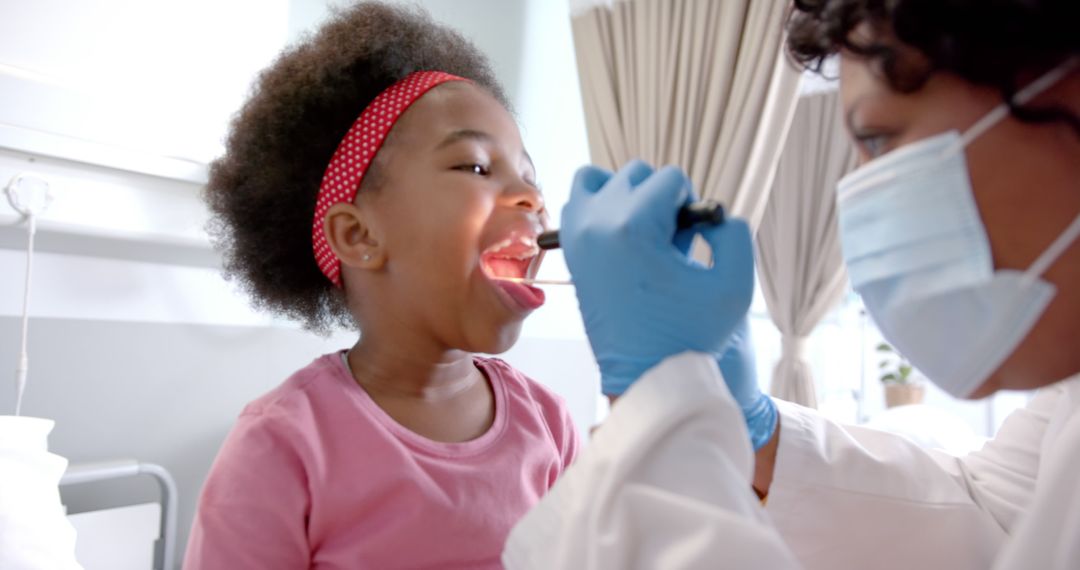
<point>527,296</point>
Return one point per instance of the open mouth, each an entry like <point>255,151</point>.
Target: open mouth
<point>512,258</point>
<point>507,263</point>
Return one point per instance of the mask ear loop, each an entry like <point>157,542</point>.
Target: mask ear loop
<point>1022,97</point>
<point>998,114</point>
<point>1053,252</point>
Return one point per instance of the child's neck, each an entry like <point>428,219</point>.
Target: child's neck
<point>412,370</point>
<point>438,394</point>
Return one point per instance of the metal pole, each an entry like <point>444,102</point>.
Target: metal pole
<point>165,545</point>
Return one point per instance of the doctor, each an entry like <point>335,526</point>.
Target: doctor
<point>959,230</point>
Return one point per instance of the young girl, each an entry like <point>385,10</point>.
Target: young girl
<point>376,179</point>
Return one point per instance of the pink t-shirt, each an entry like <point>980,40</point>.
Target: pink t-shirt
<point>316,475</point>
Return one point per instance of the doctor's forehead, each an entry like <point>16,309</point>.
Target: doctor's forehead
<point>862,90</point>
<point>942,102</point>
<point>864,78</point>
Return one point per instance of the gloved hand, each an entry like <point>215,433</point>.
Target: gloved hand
<point>641,297</point>
<point>737,366</point>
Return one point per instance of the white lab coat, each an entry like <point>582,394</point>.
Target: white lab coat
<point>666,484</point>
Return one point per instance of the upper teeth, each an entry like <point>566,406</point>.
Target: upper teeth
<point>501,245</point>
<point>530,242</point>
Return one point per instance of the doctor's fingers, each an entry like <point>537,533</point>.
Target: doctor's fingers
<point>631,174</point>
<point>656,202</point>
<point>684,240</point>
<point>732,270</point>
<point>588,180</point>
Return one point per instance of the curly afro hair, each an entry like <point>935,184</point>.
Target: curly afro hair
<point>987,42</point>
<point>262,191</point>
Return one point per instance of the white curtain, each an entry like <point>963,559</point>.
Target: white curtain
<point>799,264</point>
<point>701,84</point>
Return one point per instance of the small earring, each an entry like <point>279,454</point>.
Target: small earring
<point>367,257</point>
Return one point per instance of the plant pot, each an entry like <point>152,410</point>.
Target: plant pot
<point>903,394</point>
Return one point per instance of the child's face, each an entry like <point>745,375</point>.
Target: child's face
<point>457,204</point>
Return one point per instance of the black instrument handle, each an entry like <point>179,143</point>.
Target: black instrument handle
<point>707,212</point>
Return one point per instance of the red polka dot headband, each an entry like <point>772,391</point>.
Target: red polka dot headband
<point>354,154</point>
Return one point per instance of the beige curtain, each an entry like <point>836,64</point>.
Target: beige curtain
<point>701,84</point>
<point>799,263</point>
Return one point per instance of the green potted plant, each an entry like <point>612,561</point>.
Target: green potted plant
<point>901,384</point>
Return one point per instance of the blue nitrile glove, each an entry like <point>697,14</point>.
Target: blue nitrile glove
<point>641,297</point>
<point>737,365</point>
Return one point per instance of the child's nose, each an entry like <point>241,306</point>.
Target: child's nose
<point>525,196</point>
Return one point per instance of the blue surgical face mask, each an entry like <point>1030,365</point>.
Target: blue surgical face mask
<point>917,252</point>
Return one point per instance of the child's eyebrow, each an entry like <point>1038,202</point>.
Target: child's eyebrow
<point>466,134</point>
<point>478,136</point>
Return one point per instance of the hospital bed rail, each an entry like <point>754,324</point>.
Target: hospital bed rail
<point>165,545</point>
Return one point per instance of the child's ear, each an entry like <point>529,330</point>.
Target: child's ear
<point>354,237</point>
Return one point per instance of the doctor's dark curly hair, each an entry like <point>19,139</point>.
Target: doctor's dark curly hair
<point>989,42</point>
<point>262,191</point>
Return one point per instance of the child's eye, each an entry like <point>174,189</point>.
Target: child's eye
<point>478,169</point>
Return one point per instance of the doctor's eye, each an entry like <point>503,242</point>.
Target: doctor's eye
<point>873,144</point>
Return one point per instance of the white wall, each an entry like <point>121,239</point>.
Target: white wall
<point>138,347</point>
<point>159,76</point>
